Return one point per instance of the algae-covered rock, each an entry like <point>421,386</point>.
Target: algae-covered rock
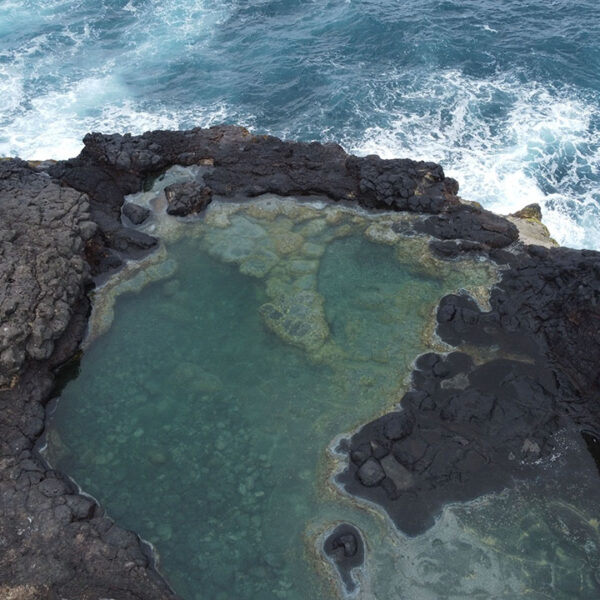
<point>528,221</point>
<point>259,263</point>
<point>287,242</point>
<point>531,211</point>
<point>382,233</point>
<point>298,319</point>
<point>243,241</point>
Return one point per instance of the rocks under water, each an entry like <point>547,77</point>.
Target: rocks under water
<point>243,409</point>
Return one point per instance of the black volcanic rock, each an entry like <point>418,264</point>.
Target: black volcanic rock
<point>476,427</point>
<point>241,164</point>
<point>187,198</point>
<point>464,441</point>
<point>468,425</point>
<point>370,472</point>
<point>402,184</point>
<point>346,549</point>
<point>398,425</point>
<point>135,213</point>
<point>471,223</point>
<point>43,231</point>
<point>54,542</point>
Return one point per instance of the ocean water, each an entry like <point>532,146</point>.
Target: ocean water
<point>206,414</point>
<point>505,95</point>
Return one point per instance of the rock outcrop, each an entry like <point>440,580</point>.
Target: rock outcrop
<point>244,165</point>
<point>345,547</point>
<point>469,429</point>
<point>61,225</point>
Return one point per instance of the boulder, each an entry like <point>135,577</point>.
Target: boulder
<point>135,213</point>
<point>187,198</point>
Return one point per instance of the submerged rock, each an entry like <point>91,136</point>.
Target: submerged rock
<point>298,319</point>
<point>467,427</point>
<point>54,542</point>
<point>476,427</point>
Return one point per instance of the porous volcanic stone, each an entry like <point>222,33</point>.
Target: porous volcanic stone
<point>472,426</point>
<point>477,427</point>
<point>187,198</point>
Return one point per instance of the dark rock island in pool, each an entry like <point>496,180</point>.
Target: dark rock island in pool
<point>345,547</point>
<point>468,425</point>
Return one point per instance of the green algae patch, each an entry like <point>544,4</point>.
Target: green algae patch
<point>298,319</point>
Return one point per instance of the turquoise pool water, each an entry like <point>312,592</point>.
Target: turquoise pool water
<point>204,417</point>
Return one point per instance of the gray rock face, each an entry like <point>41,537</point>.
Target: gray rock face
<point>346,549</point>
<point>187,198</point>
<point>43,230</point>
<point>54,542</point>
<point>135,213</point>
<point>467,429</point>
<point>371,473</point>
<point>459,418</point>
<point>251,165</point>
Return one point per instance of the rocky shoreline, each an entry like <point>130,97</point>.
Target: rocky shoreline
<point>61,229</point>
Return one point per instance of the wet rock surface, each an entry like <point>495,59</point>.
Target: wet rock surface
<point>467,427</point>
<point>472,223</point>
<point>475,427</point>
<point>135,213</point>
<point>345,547</point>
<point>238,164</point>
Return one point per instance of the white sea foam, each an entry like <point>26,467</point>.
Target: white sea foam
<point>55,123</point>
<point>11,87</point>
<point>508,143</point>
<point>56,87</point>
<point>540,147</point>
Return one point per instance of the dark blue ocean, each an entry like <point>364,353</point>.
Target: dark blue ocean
<point>504,94</point>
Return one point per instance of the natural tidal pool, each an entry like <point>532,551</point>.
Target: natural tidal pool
<point>204,413</point>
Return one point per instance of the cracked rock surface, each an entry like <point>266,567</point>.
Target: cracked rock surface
<point>44,228</point>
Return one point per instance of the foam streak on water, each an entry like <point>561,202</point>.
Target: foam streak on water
<point>542,147</point>
<point>222,387</point>
<point>506,97</point>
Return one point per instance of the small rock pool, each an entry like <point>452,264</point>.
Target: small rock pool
<point>217,378</point>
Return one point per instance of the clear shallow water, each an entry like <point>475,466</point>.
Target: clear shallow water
<point>505,95</point>
<point>206,425</point>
